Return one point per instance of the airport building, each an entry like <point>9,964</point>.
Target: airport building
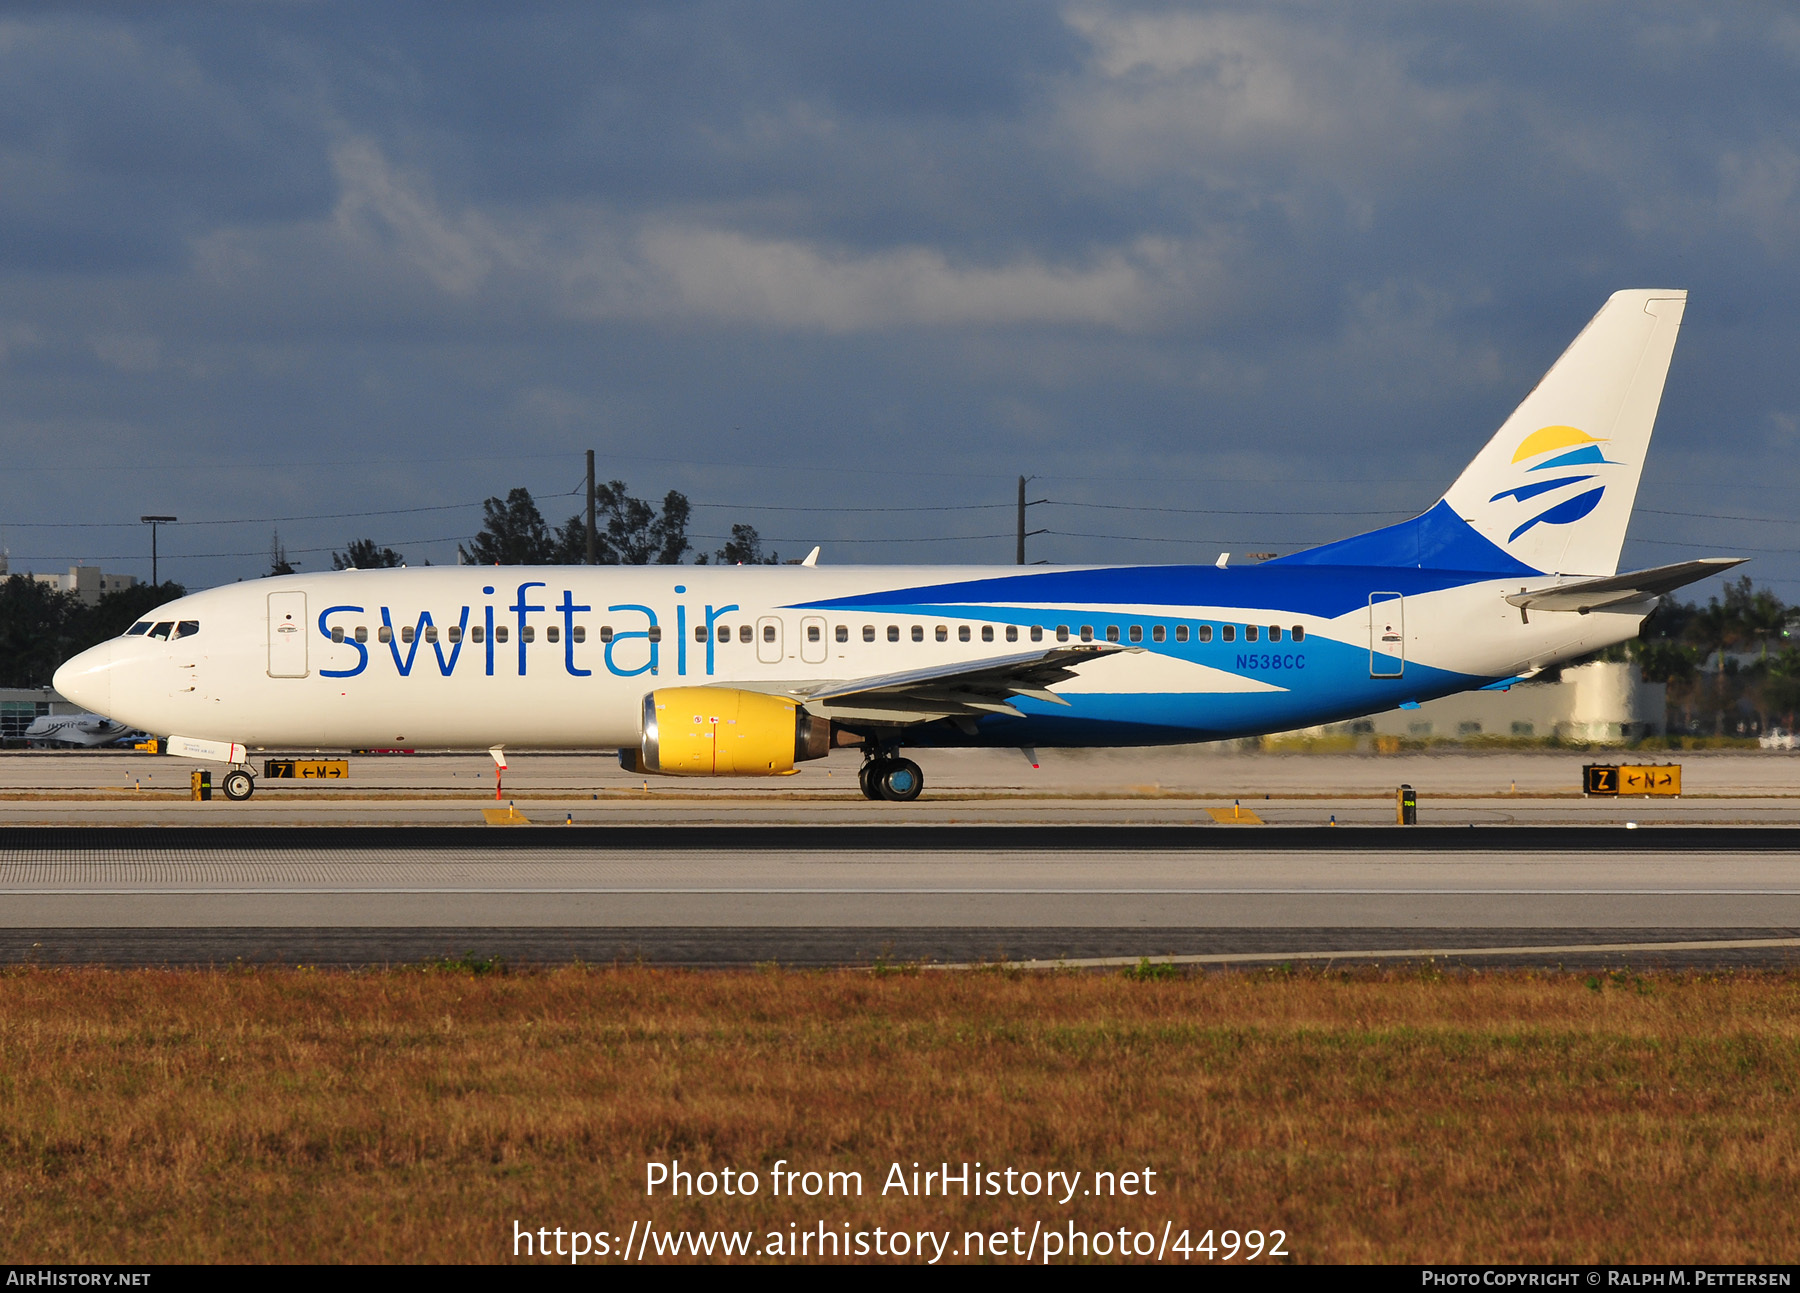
<point>21,706</point>
<point>1602,703</point>
<point>87,582</point>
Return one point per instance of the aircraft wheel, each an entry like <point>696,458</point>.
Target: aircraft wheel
<point>239,784</point>
<point>900,780</point>
<point>865,777</point>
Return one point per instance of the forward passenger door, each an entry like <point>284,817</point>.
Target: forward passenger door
<point>287,635</point>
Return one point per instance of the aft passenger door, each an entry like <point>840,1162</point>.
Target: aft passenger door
<point>1387,635</point>
<point>287,635</point>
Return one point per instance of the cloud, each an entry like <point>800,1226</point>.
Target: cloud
<point>589,263</point>
<point>1134,243</point>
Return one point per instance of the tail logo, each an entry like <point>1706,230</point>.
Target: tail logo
<point>1561,449</point>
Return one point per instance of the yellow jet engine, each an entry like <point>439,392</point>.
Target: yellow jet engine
<point>724,732</point>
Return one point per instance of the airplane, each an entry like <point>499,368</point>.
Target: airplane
<point>84,730</point>
<point>741,671</point>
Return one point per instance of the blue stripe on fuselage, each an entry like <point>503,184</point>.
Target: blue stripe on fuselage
<point>1426,554</point>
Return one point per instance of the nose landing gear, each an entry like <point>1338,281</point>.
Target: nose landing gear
<point>238,784</point>
<point>892,778</point>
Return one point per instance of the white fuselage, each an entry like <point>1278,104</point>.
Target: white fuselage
<point>478,657</point>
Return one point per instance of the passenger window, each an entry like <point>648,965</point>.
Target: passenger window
<point>1037,632</point>
<point>918,633</point>
<point>724,633</point>
<point>1181,633</point>
<point>1062,632</point>
<point>812,632</point>
<point>337,635</point>
<point>893,633</point>
<point>477,634</point>
<point>987,632</point>
<point>1299,634</point>
<point>843,633</point>
<point>606,633</point>
<point>1274,632</point>
<point>655,632</point>
<point>528,633</point>
<point>406,633</point>
<point>431,633</point>
<point>744,633</point>
<point>552,633</point>
<point>187,629</point>
<point>139,629</point>
<point>1249,632</point>
<point>579,633</point>
<point>1228,633</point>
<point>386,634</point>
<point>1012,632</point>
<point>162,630</point>
<point>501,633</point>
<point>454,633</point>
<point>1112,632</point>
<point>699,632</point>
<point>1205,633</point>
<point>1137,633</point>
<point>1087,632</point>
<point>362,634</point>
<point>1158,633</point>
<point>943,634</point>
<point>962,632</point>
<point>868,633</point>
<point>768,633</point>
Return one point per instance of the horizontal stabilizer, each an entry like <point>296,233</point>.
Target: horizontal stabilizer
<point>1620,590</point>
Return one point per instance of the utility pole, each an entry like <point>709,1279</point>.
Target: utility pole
<point>1021,520</point>
<point>1023,532</point>
<point>592,550</point>
<point>153,522</point>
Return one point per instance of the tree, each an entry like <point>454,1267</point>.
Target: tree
<point>629,531</point>
<point>513,533</point>
<point>115,612</point>
<point>1781,689</point>
<point>362,554</point>
<point>744,548</point>
<point>34,620</point>
<point>278,561</point>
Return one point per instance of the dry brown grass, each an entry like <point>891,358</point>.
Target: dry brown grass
<point>294,1115</point>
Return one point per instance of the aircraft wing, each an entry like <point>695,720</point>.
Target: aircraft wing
<point>966,690</point>
<point>1618,590</point>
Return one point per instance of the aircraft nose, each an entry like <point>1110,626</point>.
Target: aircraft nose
<point>87,679</point>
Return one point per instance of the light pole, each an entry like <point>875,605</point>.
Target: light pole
<point>153,522</point>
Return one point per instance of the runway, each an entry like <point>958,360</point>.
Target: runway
<point>818,895</point>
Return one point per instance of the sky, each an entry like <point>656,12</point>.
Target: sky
<point>1217,277</point>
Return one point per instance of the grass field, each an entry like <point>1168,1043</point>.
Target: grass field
<point>415,1115</point>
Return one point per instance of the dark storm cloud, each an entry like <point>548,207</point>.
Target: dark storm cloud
<point>1222,257</point>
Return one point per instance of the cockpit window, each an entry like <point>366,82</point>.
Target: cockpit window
<point>139,629</point>
<point>186,628</point>
<point>162,630</point>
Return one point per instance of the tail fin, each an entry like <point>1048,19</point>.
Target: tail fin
<point>1554,488</point>
<point>1552,491</point>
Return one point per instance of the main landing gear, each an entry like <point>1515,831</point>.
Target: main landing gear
<point>238,784</point>
<point>891,777</point>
